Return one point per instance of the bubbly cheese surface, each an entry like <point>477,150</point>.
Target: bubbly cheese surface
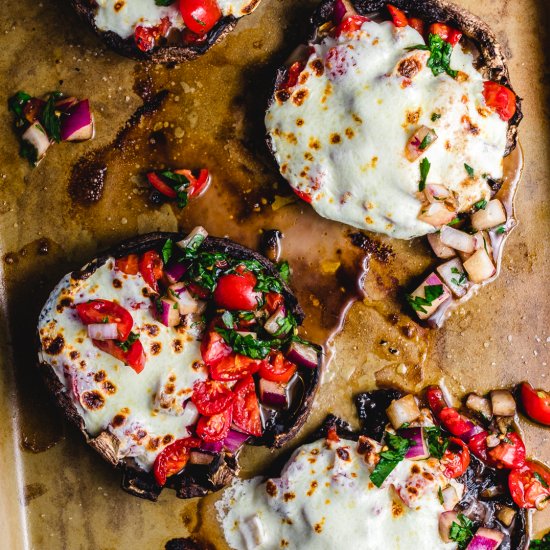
<point>123,16</point>
<point>142,410</point>
<point>325,500</point>
<point>341,135</point>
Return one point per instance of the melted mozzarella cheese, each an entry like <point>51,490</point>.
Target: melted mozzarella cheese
<point>123,16</point>
<point>341,135</point>
<point>324,499</point>
<point>143,410</point>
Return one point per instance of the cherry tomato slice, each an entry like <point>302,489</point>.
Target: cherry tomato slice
<point>246,411</point>
<point>436,399</point>
<point>234,367</point>
<point>215,428</point>
<point>105,311</point>
<point>500,98</point>
<point>146,37</point>
<point>529,486</point>
<point>456,458</point>
<point>277,369</point>
<point>236,291</point>
<point>398,16</point>
<point>292,73</point>
<point>161,186</point>
<point>198,291</point>
<point>332,435</point>
<point>306,197</point>
<point>350,24</point>
<point>454,422</point>
<point>150,267</point>
<point>128,264</point>
<point>478,446</point>
<point>536,403</point>
<point>200,16</point>
<point>197,185</point>
<point>273,301</point>
<point>212,397</point>
<point>214,348</point>
<point>510,453</point>
<point>450,35</point>
<point>173,458</point>
<point>417,24</point>
<point>134,357</point>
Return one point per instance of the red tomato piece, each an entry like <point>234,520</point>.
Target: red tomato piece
<point>436,399</point>
<point>150,267</point>
<point>278,369</point>
<point>128,264</point>
<point>500,98</point>
<point>536,403</point>
<point>200,16</point>
<point>456,458</point>
<point>198,184</point>
<point>212,397</point>
<point>198,291</point>
<point>478,446</point>
<point>234,367</point>
<point>417,24</point>
<point>214,348</point>
<point>306,197</point>
<point>350,24</point>
<point>398,16</point>
<point>173,458</point>
<point>236,291</point>
<point>146,37</point>
<point>454,422</point>
<point>246,410</point>
<point>215,428</point>
<point>292,73</point>
<point>105,311</point>
<point>529,486</point>
<point>273,301</point>
<point>450,35</point>
<point>161,186</point>
<point>134,357</point>
<point>510,453</point>
<point>332,435</point>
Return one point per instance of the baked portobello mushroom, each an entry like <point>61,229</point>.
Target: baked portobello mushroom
<point>163,32</point>
<point>169,352</point>
<point>394,118</point>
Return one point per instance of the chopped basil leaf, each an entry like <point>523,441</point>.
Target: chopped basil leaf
<point>428,138</point>
<point>500,230</point>
<point>167,250</point>
<point>541,480</point>
<point>462,276</point>
<point>431,292</point>
<point>397,449</point>
<point>435,116</point>
<point>16,104</point>
<point>28,151</point>
<point>462,532</point>
<point>480,205</point>
<point>424,170</point>
<point>541,544</point>
<point>454,221</point>
<point>284,271</point>
<point>125,346</point>
<point>469,170</point>
<point>205,267</point>
<point>437,444</point>
<point>440,55</point>
<point>50,118</point>
<point>286,324</point>
<point>264,282</point>
<point>246,345</point>
<point>440,495</point>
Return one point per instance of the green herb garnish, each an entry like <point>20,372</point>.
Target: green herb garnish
<point>247,344</point>
<point>435,116</point>
<point>180,184</point>
<point>541,544</point>
<point>469,170</point>
<point>428,138</point>
<point>437,444</point>
<point>440,495</point>
<point>164,2</point>
<point>480,205</point>
<point>284,271</point>
<point>500,230</point>
<point>540,479</point>
<point>51,118</point>
<point>167,250</point>
<point>424,170</point>
<point>16,104</point>
<point>462,276</point>
<point>431,292</point>
<point>440,55</point>
<point>397,449</point>
<point>462,532</point>
<point>125,346</point>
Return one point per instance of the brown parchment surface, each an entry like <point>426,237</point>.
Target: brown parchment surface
<point>65,497</point>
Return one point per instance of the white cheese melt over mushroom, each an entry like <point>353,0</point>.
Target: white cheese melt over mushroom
<point>341,135</point>
<point>143,410</point>
<point>324,499</point>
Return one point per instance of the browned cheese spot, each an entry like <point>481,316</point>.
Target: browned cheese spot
<point>117,283</point>
<point>139,435</point>
<point>343,454</point>
<point>312,488</point>
<point>483,112</point>
<point>93,400</point>
<point>302,79</point>
<point>177,345</point>
<point>299,122</point>
<point>155,348</point>
<point>412,490</point>
<point>100,375</point>
<point>284,543</point>
<point>357,118</point>
<point>409,67</point>
<point>119,5</point>
<point>284,168</point>
<point>74,355</point>
<point>350,133</point>
<point>396,509</point>
<point>53,346</point>
<point>249,8</point>
<point>197,365</point>
<point>82,364</point>
<point>428,476</point>
<point>317,67</point>
<point>271,488</point>
<point>152,330</point>
<point>415,469</point>
<point>109,387</point>
<point>299,96</point>
<point>291,138</point>
<point>63,303</point>
<point>167,439</point>
<point>308,156</point>
<point>314,143</point>
<point>169,388</point>
<point>335,138</point>
<point>153,443</point>
<point>289,496</point>
<point>469,125</point>
<point>282,96</point>
<point>413,116</point>
<point>118,420</point>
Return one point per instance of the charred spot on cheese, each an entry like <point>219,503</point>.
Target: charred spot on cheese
<point>156,348</point>
<point>53,346</point>
<point>63,303</point>
<point>93,400</point>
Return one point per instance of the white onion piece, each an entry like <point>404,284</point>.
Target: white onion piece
<point>190,414</point>
<point>194,239</point>
<point>38,138</point>
<point>186,303</point>
<point>492,215</point>
<point>423,136</point>
<point>253,532</point>
<point>272,324</point>
<point>78,123</point>
<point>103,331</point>
<point>479,405</point>
<point>479,266</point>
<point>402,411</point>
<point>482,240</point>
<point>459,240</point>
<point>450,497</point>
<point>453,275</point>
<point>446,519</point>
<point>437,214</point>
<point>503,403</point>
<point>435,192</point>
<point>506,515</point>
<point>486,539</point>
<point>440,250</point>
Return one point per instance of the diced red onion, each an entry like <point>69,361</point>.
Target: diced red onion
<point>422,135</point>
<point>436,213</point>
<point>474,430</point>
<point>431,280</point>
<point>168,312</point>
<point>342,9</point>
<point>486,539</point>
<point>418,449</point>
<point>272,324</point>
<point>273,394</point>
<point>234,441</point>
<point>78,122</point>
<point>453,275</point>
<point>435,192</point>
<point>174,271</point>
<point>459,240</point>
<point>200,458</point>
<point>38,138</point>
<point>446,519</point>
<point>212,446</point>
<point>103,331</point>
<point>190,414</point>
<point>305,355</point>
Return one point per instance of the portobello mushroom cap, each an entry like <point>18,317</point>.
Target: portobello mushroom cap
<point>165,52</point>
<point>491,61</point>
<point>194,480</point>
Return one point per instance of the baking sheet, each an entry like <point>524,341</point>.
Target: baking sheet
<point>56,492</point>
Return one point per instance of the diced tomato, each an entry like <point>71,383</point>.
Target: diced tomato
<point>450,35</point>
<point>332,435</point>
<point>105,311</point>
<point>306,197</point>
<point>278,368</point>
<point>234,367</point>
<point>214,348</point>
<point>351,23</point>
<point>173,458</point>
<point>436,399</point>
<point>197,184</point>
<point>529,486</point>
<point>454,422</point>
<point>128,264</point>
<point>292,74</point>
<point>236,291</point>
<point>246,411</point>
<point>456,458</point>
<point>150,267</point>
<point>478,446</point>
<point>212,397</point>
<point>134,357</point>
<point>417,24</point>
<point>198,291</point>
<point>510,453</point>
<point>536,403</point>
<point>216,427</point>
<point>398,16</point>
<point>146,37</point>
<point>200,15</point>
<point>161,186</point>
<point>500,98</point>
<point>190,37</point>
<point>273,301</point>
